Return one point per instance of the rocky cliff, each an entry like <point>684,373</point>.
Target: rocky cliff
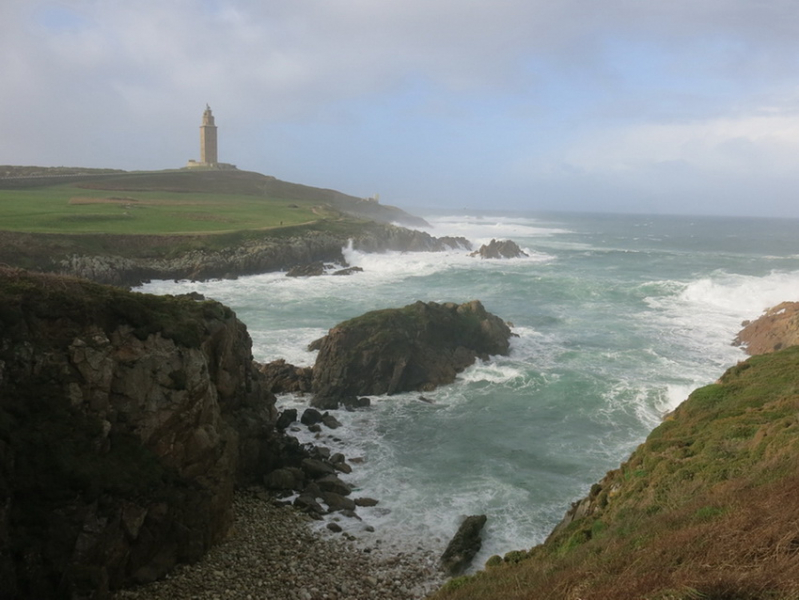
<point>125,422</point>
<point>129,260</point>
<point>777,328</point>
<point>706,508</point>
<point>418,347</point>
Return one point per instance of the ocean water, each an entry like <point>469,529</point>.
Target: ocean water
<point>618,319</point>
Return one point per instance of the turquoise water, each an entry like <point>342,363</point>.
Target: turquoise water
<point>618,318</point>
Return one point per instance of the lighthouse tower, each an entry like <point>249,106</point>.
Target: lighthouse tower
<point>208,155</point>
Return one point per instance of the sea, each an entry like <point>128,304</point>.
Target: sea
<point>616,319</point>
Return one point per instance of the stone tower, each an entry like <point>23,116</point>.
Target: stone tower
<point>208,155</point>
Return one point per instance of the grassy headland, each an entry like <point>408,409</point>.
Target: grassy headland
<point>166,202</point>
<point>50,216</point>
<point>706,508</point>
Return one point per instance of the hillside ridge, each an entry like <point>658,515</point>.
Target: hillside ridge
<point>705,509</point>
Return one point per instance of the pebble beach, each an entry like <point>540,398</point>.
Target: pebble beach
<point>274,552</point>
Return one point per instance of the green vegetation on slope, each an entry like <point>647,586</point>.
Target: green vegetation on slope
<point>173,202</point>
<point>159,203</point>
<point>706,508</point>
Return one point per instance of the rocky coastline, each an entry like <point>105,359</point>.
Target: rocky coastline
<point>275,552</point>
<point>129,421</point>
<point>150,417</point>
<point>129,261</point>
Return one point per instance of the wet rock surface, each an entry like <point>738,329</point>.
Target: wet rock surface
<point>130,260</point>
<point>464,546</point>
<point>282,377</point>
<point>500,249</point>
<point>418,347</point>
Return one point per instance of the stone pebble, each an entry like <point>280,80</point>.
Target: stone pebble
<point>273,552</point>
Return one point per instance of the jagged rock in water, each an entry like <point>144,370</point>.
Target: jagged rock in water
<point>500,249</point>
<point>286,418</point>
<point>311,416</point>
<point>418,347</point>
<point>282,377</point>
<point>348,271</point>
<point>314,269</point>
<point>464,546</point>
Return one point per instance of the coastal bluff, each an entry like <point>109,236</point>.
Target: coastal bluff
<point>126,421</point>
<point>130,260</point>
<point>706,507</point>
<point>775,329</point>
<point>128,228</point>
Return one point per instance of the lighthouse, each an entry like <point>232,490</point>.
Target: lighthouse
<point>209,159</point>
<point>208,154</point>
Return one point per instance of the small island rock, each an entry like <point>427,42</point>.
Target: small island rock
<point>500,249</point>
<point>418,347</point>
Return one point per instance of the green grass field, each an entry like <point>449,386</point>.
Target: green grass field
<point>70,208</point>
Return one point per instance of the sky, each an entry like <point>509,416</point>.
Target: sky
<point>645,106</point>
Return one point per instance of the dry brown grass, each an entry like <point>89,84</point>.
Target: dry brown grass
<point>707,508</point>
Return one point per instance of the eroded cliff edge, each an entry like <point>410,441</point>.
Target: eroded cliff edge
<point>126,420</point>
<point>706,507</point>
<point>776,328</point>
<point>129,260</point>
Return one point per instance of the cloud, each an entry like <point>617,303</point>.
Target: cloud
<point>757,143</point>
<point>497,94</point>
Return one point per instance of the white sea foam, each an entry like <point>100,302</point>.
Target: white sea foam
<point>707,313</point>
<point>608,342</point>
<point>492,227</point>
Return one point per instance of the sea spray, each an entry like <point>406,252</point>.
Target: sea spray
<point>619,318</point>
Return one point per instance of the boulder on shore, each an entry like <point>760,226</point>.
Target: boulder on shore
<point>464,546</point>
<point>500,249</point>
<point>415,348</point>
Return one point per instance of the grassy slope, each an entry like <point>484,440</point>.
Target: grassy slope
<point>165,213</point>
<point>178,202</point>
<point>707,507</point>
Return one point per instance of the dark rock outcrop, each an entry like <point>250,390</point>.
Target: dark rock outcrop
<point>311,416</point>
<point>314,269</point>
<point>348,271</point>
<point>281,377</point>
<point>777,328</point>
<point>126,420</point>
<point>464,546</point>
<point>417,347</point>
<point>286,418</point>
<point>130,260</point>
<point>500,249</point>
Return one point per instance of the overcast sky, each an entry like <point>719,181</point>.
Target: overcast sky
<point>653,106</point>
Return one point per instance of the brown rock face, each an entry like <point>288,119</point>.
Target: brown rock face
<point>417,347</point>
<point>282,377</point>
<point>777,328</point>
<point>125,422</point>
